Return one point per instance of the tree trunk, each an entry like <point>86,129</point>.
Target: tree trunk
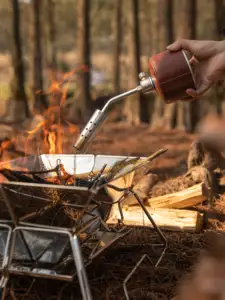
<point>220,25</point>
<point>132,103</point>
<point>169,110</point>
<point>219,17</point>
<point>195,108</point>
<point>160,40</point>
<point>187,113</point>
<point>81,107</point>
<point>117,40</point>
<point>18,107</point>
<point>52,33</point>
<point>40,100</point>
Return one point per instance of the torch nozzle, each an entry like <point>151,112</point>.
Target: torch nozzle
<point>99,116</point>
<point>89,131</point>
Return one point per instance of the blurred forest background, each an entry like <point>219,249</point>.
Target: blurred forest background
<point>75,54</point>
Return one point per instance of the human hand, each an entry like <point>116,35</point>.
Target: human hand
<point>208,62</point>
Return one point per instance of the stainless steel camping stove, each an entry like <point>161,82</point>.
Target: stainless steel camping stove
<point>99,116</point>
<point>58,229</point>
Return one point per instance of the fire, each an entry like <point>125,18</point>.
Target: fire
<point>64,177</point>
<point>5,145</point>
<point>52,142</point>
<point>39,125</point>
<point>48,134</point>
<point>54,125</point>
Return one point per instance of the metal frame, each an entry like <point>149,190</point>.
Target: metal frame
<point>157,229</point>
<point>77,257</point>
<point>7,244</point>
<point>4,267</point>
<point>76,251</point>
<point>118,235</point>
<point>151,220</point>
<point>19,226</point>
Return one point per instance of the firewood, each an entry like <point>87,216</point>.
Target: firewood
<point>122,182</point>
<point>142,188</point>
<point>186,198</point>
<point>168,219</point>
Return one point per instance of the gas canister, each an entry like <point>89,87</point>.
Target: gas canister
<point>172,75</point>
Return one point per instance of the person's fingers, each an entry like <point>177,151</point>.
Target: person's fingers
<point>200,91</point>
<point>193,61</point>
<point>189,99</point>
<point>192,93</point>
<point>180,44</point>
<point>200,49</point>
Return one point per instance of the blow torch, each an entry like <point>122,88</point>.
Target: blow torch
<point>170,76</point>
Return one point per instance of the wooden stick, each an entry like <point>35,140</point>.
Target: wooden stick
<point>168,219</point>
<point>186,198</point>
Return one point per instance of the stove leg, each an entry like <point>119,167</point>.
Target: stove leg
<point>3,287</point>
<point>81,272</point>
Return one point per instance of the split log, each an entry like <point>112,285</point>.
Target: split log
<point>168,219</point>
<point>122,182</point>
<point>142,188</point>
<point>183,199</point>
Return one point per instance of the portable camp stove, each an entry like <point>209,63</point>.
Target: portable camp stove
<point>53,230</point>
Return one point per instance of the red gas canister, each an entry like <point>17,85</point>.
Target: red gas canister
<point>172,75</point>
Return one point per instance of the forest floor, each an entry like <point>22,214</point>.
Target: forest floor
<point>109,271</point>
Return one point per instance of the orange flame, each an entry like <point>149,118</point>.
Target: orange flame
<point>49,132</point>
<point>52,142</point>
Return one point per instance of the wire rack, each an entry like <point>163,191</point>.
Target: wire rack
<point>56,230</point>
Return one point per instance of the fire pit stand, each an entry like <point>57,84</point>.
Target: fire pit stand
<point>55,229</point>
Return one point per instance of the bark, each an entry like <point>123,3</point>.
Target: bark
<point>170,116</point>
<point>80,111</point>
<point>117,38</point>
<point>163,10</point>
<point>40,100</point>
<point>195,108</point>
<point>132,103</point>
<point>170,110</point>
<point>52,33</point>
<point>188,113</point>
<point>220,24</point>
<point>18,108</point>
<point>219,17</point>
